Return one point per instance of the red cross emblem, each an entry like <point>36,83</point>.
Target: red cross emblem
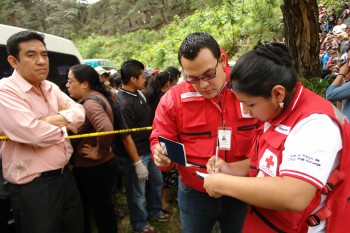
<point>269,162</point>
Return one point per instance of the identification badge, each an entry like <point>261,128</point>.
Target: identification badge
<point>225,136</point>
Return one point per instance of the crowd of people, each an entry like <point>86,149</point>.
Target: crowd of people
<point>257,158</point>
<point>334,52</point>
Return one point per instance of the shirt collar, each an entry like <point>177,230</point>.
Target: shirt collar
<point>25,86</point>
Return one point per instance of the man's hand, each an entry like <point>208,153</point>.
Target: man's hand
<point>141,170</point>
<point>160,158</point>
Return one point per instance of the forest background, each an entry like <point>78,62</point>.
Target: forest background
<point>152,30</point>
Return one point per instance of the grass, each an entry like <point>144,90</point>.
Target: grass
<point>172,226</point>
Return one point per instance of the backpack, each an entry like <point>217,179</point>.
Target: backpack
<point>97,99</point>
<point>118,124</point>
<point>337,189</point>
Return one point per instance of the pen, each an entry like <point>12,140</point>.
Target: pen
<point>217,152</point>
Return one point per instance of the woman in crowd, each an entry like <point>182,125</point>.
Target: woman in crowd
<point>156,88</point>
<point>339,90</point>
<point>295,151</point>
<point>94,163</point>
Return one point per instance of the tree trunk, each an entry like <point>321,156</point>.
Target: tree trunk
<point>301,32</point>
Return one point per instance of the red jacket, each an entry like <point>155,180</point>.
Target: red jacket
<point>187,117</point>
<point>262,220</point>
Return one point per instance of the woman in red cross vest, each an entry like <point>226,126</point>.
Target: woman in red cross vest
<point>295,150</point>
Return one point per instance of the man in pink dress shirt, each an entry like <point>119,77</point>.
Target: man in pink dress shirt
<point>35,115</point>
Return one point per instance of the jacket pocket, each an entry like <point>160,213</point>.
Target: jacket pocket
<point>193,112</point>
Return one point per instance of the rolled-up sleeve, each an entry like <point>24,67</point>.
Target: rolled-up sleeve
<point>338,92</point>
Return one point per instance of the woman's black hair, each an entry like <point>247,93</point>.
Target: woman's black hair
<point>174,72</point>
<point>258,71</point>
<point>85,73</point>
<point>156,83</point>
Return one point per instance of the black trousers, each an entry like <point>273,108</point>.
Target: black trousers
<point>47,205</point>
<point>96,185</point>
<point>5,216</point>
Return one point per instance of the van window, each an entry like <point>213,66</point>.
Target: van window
<point>62,55</point>
<point>59,66</point>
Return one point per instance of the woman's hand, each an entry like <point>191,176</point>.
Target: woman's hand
<point>90,152</point>
<point>219,166</point>
<point>210,185</point>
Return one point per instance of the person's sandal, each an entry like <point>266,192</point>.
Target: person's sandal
<point>147,229</point>
<point>163,217</point>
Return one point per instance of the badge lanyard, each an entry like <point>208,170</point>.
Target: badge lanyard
<point>224,133</point>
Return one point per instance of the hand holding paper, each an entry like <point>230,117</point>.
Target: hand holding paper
<point>175,151</point>
<point>160,157</point>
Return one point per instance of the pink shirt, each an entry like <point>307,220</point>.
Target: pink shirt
<point>34,146</point>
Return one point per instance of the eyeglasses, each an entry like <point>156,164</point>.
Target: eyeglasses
<point>205,77</point>
<point>70,81</point>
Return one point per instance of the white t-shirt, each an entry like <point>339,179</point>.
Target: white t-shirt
<point>316,142</point>
<point>339,28</point>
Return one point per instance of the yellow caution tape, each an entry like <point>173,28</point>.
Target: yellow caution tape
<point>5,138</point>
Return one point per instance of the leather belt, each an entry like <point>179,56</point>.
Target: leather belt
<point>56,172</point>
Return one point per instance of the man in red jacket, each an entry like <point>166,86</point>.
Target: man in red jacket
<point>203,114</point>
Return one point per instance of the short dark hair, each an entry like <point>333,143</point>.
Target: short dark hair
<point>131,68</point>
<point>259,70</point>
<point>196,41</point>
<point>117,79</point>
<point>14,41</point>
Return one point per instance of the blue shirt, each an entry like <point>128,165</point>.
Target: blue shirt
<point>340,93</point>
<point>325,59</point>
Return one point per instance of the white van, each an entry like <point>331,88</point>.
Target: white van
<point>62,55</point>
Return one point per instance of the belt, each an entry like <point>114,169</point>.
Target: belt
<point>56,172</point>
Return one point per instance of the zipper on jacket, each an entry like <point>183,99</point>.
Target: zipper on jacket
<point>197,133</point>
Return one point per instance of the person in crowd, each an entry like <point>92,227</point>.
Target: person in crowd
<point>157,87</point>
<point>43,193</point>
<point>326,57</point>
<point>174,73</point>
<point>339,90</point>
<point>322,11</point>
<point>103,73</point>
<point>331,20</point>
<point>331,42</point>
<point>144,203</point>
<point>339,28</point>
<point>116,82</point>
<point>345,15</point>
<point>94,163</point>
<point>198,113</point>
<point>334,55</point>
<point>294,153</point>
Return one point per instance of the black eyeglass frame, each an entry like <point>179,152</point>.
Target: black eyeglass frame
<point>204,77</point>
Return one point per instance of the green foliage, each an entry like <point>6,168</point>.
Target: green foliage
<point>316,85</point>
<point>158,48</point>
<point>155,28</point>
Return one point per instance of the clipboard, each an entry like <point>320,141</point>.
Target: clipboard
<point>175,151</point>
